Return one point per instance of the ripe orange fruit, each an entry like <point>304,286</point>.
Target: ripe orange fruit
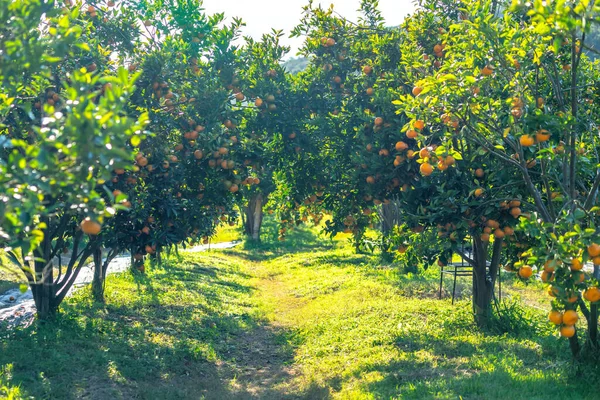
<point>370,180</point>
<point>596,260</point>
<point>400,146</point>
<point>570,317</point>
<point>437,48</point>
<point>547,276</point>
<point>424,153</point>
<point>516,112</point>
<point>378,121</point>
<point>492,223</point>
<point>549,266</point>
<point>442,166</point>
<point>508,231</point>
<point>499,233</point>
<point>330,42</point>
<point>553,291</point>
<point>258,102</point>
<point>487,70</point>
<point>449,161</point>
<point>592,294</point>
<point>525,271</point>
<point>485,237</point>
<point>540,102</point>
<point>526,141</point>
<point>234,188</point>
<point>555,317</point>
<point>594,250</point>
<point>576,264</point>
<point>426,169</point>
<point>198,154</point>
<point>567,331</point>
<point>370,91</point>
<point>478,192</point>
<point>419,124</point>
<point>515,212</point>
<point>514,203</point>
<point>411,134</point>
<point>90,227</point>
<point>367,70</point>
<point>542,135</point>
<point>417,90</point>
<point>479,173</point>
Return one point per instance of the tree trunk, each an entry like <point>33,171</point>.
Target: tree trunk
<point>100,270</point>
<point>593,326</point>
<point>43,294</point>
<point>254,217</point>
<point>98,280</point>
<point>390,217</point>
<point>484,280</point>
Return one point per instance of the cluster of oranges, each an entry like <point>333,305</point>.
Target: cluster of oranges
<point>566,320</point>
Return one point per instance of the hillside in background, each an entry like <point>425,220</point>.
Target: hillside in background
<point>295,65</point>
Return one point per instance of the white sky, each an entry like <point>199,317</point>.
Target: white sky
<point>262,15</point>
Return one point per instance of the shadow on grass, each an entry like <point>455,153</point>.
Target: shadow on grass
<point>436,367</point>
<point>183,332</point>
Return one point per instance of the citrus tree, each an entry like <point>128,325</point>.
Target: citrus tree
<point>63,128</point>
<point>511,98</point>
<point>270,112</point>
<point>180,186</point>
<point>353,74</point>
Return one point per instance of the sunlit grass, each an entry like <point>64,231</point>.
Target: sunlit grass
<point>304,318</point>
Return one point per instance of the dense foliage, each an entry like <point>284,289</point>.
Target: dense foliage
<point>471,129</point>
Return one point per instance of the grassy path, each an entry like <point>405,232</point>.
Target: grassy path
<point>312,322</point>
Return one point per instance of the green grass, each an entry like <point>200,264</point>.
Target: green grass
<point>10,276</point>
<point>302,319</point>
<point>227,233</point>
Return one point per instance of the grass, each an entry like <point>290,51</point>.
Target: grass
<point>10,276</point>
<point>302,319</point>
<point>227,233</point>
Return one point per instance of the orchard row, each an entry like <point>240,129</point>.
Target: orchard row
<point>472,129</point>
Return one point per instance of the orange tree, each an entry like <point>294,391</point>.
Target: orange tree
<point>269,126</point>
<point>353,74</point>
<point>63,127</point>
<point>281,144</point>
<point>512,100</point>
<point>181,184</point>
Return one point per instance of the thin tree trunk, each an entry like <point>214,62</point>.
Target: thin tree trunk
<point>44,291</point>
<point>484,280</point>
<point>254,217</point>
<point>593,326</point>
<point>98,280</point>
<point>389,218</point>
